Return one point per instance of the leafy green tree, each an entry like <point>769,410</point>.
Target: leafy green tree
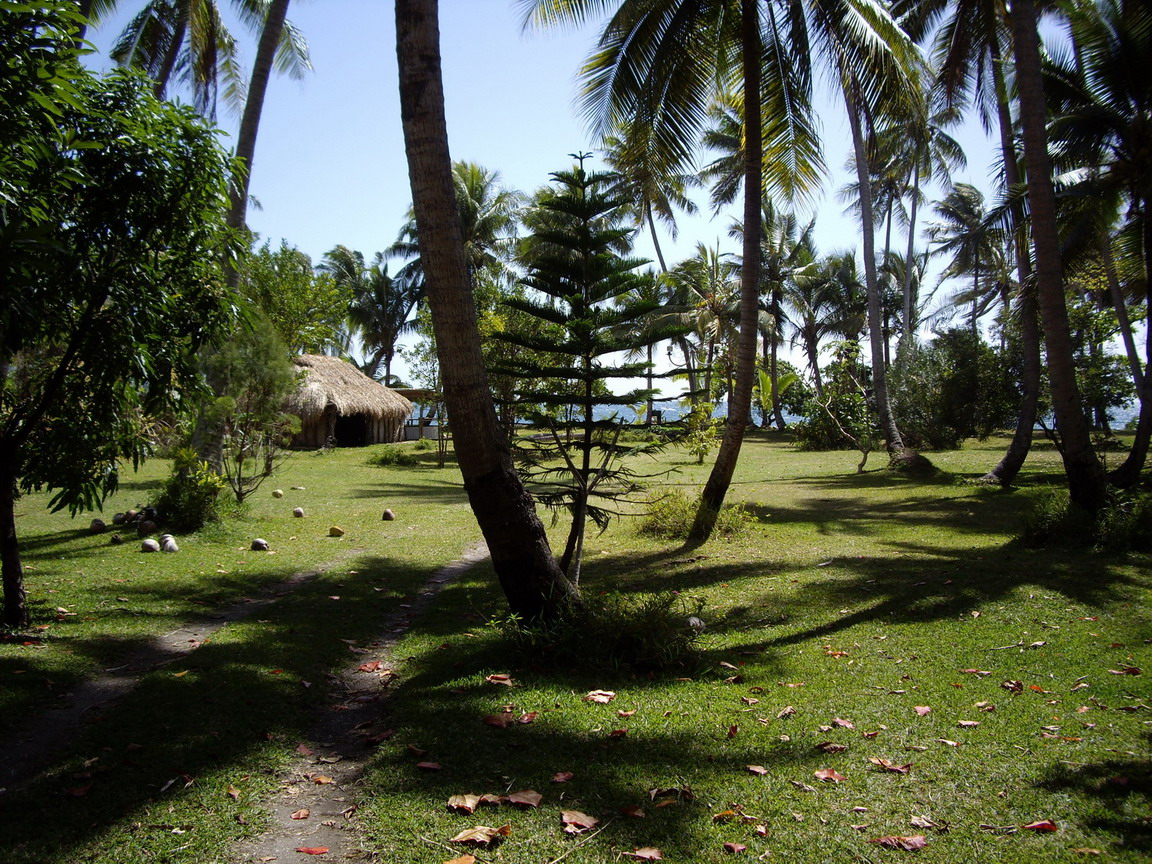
<point>841,418</point>
<point>824,298</point>
<point>253,380</point>
<point>307,308</point>
<point>112,234</point>
<point>580,285</point>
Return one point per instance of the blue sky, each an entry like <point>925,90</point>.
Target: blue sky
<point>329,166</point>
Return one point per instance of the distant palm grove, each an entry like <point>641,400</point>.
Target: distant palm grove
<point>515,309</point>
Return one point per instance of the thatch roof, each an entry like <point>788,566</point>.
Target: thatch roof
<point>332,381</point>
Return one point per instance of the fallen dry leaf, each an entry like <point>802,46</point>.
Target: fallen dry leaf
<point>500,721</point>
<point>1126,670</point>
<point>618,733</point>
<point>370,666</point>
<point>527,717</point>
<point>756,769</point>
<point>843,724</point>
<point>923,822</point>
<point>647,853</point>
<point>948,743</point>
<point>908,844</point>
<point>304,750</point>
<point>623,713</point>
<point>831,747</point>
<point>968,724</point>
<point>464,803</point>
<point>499,678</point>
<point>429,766</point>
<point>313,850</point>
<point>525,798</point>
<point>890,766</point>
<point>562,776</point>
<point>734,848</point>
<point>733,730</point>
<point>481,835</point>
<point>322,779</point>
<point>1013,686</point>
<point>1085,851</point>
<point>787,711</point>
<point>576,822</point>
<point>602,697</point>
<point>233,793</point>
<point>302,813</point>
<point>463,859</point>
<point>634,811</point>
<point>1043,825</point>
<point>922,710</point>
<point>829,775</point>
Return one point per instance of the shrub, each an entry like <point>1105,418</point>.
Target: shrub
<point>390,456</point>
<point>670,516</point>
<point>1124,524</point>
<point>643,634</point>
<point>191,495</point>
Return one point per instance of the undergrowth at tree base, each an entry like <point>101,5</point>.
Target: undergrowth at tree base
<point>651,633</point>
<point>1123,525</point>
<point>671,515</point>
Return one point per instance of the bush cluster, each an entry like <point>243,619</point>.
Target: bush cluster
<point>670,516</point>
<point>1123,525</point>
<point>190,498</point>
<point>390,456</point>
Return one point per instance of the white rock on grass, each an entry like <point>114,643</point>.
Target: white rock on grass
<point>168,543</point>
<point>298,512</point>
<point>277,493</point>
<point>149,545</point>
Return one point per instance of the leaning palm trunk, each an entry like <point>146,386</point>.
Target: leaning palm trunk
<point>1013,460</point>
<point>895,441</point>
<point>1086,480</point>
<point>740,395</point>
<point>250,121</point>
<point>532,581</point>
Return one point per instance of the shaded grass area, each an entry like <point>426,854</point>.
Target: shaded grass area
<point>851,597</point>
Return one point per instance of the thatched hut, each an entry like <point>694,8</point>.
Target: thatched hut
<point>336,402</point>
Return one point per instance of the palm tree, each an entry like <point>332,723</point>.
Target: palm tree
<point>1086,480</point>
<point>657,193</point>
<point>665,64</point>
<point>825,298</point>
<point>976,246</point>
<point>1102,133</point>
<point>381,308</point>
<point>533,582</point>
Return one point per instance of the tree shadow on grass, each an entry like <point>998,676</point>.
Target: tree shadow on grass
<point>240,702</point>
<point>429,489</point>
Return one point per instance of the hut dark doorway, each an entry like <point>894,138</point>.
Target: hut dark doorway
<point>351,430</point>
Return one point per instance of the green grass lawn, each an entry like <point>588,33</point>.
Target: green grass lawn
<point>850,602</point>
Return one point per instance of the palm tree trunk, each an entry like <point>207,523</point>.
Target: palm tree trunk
<point>532,581</point>
<point>907,333</point>
<point>253,106</point>
<point>1086,481</point>
<point>1030,372</point>
<point>774,360</point>
<point>655,239</point>
<point>740,398</point>
<point>875,326</point>
<point>172,52</point>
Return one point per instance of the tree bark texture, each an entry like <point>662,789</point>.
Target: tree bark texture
<point>740,395</point>
<point>1086,480</point>
<point>15,602</point>
<point>529,575</point>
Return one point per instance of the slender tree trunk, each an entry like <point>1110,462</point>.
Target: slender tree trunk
<point>250,121</point>
<point>171,53</point>
<point>908,333</point>
<point>740,398</point>
<point>774,360</point>
<point>529,575</point>
<point>1028,316</point>
<point>895,441</point>
<point>15,603</point>
<point>812,349</point>
<point>655,240</point>
<point>1086,481</point>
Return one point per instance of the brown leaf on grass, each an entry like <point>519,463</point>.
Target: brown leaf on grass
<point>724,664</point>
<point>527,717</point>
<point>1126,670</point>
<point>562,776</point>
<point>756,769</point>
<point>948,743</point>
<point>725,816</point>
<point>302,813</point>
<point>829,775</point>
<point>429,766</point>
<point>1085,851</point>
<point>980,672</point>
<point>499,678</point>
<point>233,792</point>
<point>786,711</point>
<point>304,750</point>
<point>481,835</point>
<point>417,751</point>
<point>748,700</point>
<point>890,766</point>
<point>871,734</point>
<point>464,803</point>
<point>733,730</point>
<point>843,724</point>
<point>734,848</point>
<point>576,822</point>
<point>634,811</point>
<point>499,721</point>
<point>618,733</point>
<point>370,666</point>
<point>601,697</point>
<point>922,710</point>
<point>793,685</point>
<point>321,779</point>
<point>525,798</point>
<point>908,844</point>
<point>802,786</point>
<point>463,859</point>
<point>968,724</point>
<point>681,793</point>
<point>646,853</point>
<point>831,747</point>
<point>1042,825</point>
<point>1013,686</point>
<point>623,713</point>
<point>925,822</point>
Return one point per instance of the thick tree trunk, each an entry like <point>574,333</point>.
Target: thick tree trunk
<point>529,575</point>
<point>1030,374</point>
<point>740,397</point>
<point>253,106</point>
<point>1086,480</point>
<point>15,604</point>
<point>895,442</point>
